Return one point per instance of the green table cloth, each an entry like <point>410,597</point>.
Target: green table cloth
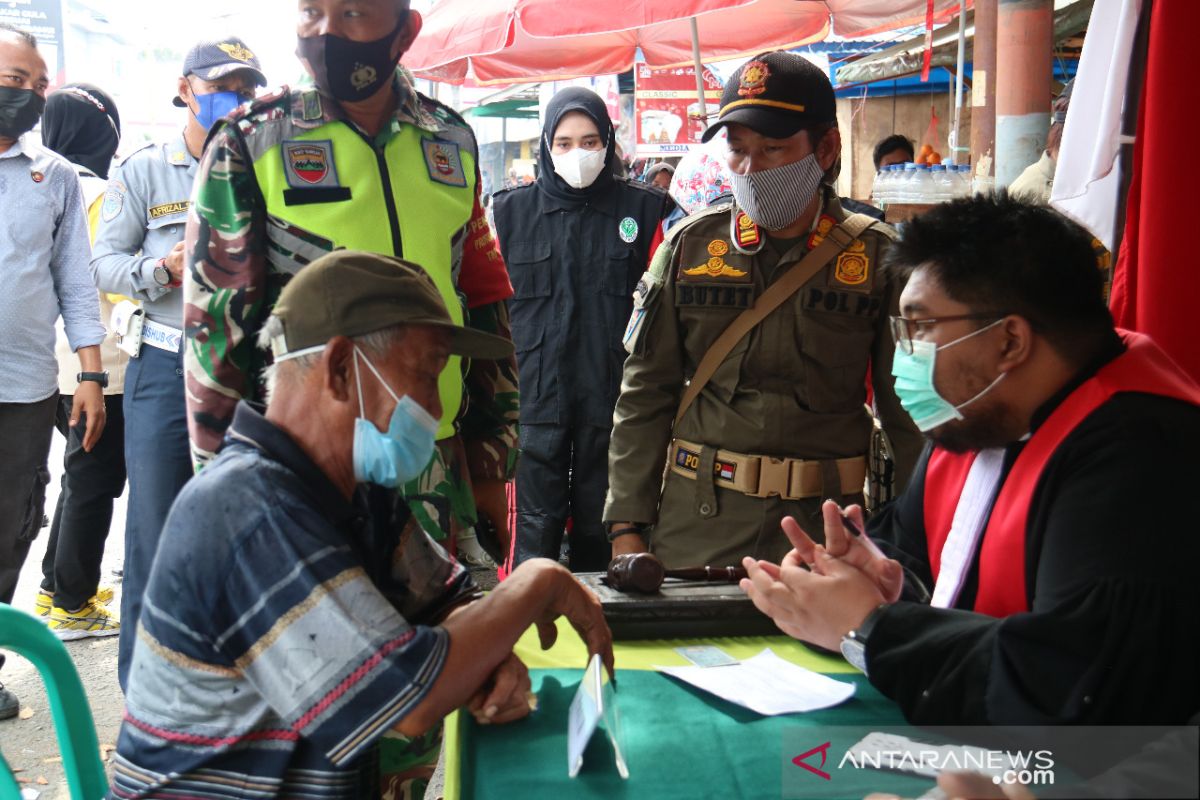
<point>679,742</point>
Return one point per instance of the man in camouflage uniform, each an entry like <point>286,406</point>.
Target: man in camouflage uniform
<point>365,162</point>
<point>782,424</point>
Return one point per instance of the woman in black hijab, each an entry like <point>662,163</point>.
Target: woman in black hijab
<point>82,125</point>
<point>576,242</point>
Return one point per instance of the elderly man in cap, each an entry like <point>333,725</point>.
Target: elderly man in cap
<point>283,632</point>
<point>751,340</point>
<point>138,253</point>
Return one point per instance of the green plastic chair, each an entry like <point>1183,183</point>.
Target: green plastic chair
<point>27,635</point>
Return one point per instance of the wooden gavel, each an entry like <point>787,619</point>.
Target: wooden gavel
<point>643,572</point>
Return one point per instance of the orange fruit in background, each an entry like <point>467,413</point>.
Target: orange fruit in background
<point>933,158</point>
<point>925,150</point>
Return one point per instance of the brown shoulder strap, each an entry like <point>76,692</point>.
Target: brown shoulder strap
<point>837,240</point>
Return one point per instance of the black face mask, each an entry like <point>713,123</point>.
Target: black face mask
<point>347,70</point>
<point>20,110</point>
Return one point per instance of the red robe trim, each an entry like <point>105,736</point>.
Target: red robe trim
<point>1142,368</point>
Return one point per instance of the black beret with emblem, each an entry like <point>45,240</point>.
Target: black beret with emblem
<point>776,94</point>
<point>215,59</point>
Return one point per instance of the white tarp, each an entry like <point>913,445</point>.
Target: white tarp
<point>1086,180</point>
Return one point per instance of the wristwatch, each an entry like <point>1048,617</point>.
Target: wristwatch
<point>162,275</point>
<point>99,377</point>
<point>854,643</point>
<point>630,527</point>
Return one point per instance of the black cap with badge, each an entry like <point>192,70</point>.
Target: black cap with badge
<point>776,94</point>
<point>215,59</point>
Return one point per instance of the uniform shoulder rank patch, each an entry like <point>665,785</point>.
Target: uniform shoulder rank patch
<point>825,224</point>
<point>853,267</point>
<point>444,161</point>
<point>309,164</point>
<point>747,232</point>
<point>114,201</point>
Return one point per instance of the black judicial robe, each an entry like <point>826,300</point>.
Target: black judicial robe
<point>1111,563</point>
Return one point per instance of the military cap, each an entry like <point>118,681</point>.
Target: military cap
<point>212,60</point>
<point>776,94</point>
<point>353,293</point>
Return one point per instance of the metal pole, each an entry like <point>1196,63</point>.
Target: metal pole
<point>956,146</point>
<point>1024,59</point>
<point>983,82</point>
<point>699,70</point>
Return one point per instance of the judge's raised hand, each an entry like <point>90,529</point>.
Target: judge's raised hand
<point>820,606</point>
<point>859,552</point>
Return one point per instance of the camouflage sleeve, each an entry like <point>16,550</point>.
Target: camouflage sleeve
<point>224,290</point>
<point>489,426</point>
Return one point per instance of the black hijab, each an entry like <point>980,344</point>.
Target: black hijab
<point>82,125</point>
<point>571,99</point>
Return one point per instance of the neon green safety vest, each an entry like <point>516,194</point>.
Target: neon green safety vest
<point>410,199</point>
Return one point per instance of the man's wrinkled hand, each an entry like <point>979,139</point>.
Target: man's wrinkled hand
<point>504,697</point>
<point>582,609</point>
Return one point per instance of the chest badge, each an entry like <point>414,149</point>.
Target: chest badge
<point>628,228</point>
<point>716,266</point>
<point>443,160</point>
<point>37,177</point>
<point>309,164</point>
<point>853,267</point>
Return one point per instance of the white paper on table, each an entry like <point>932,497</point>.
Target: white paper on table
<point>767,684</point>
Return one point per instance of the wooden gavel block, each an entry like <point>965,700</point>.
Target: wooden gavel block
<point>643,572</point>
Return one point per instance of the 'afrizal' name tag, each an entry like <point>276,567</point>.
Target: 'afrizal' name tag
<point>309,164</point>
<point>444,161</point>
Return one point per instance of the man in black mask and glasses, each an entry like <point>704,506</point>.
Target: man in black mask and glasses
<point>358,161</point>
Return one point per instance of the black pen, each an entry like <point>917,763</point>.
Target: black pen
<point>857,533</point>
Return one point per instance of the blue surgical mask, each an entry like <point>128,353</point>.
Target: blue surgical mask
<point>215,106</point>
<point>914,383</point>
<point>394,458</point>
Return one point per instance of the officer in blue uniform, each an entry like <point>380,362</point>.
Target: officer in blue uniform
<point>138,252</point>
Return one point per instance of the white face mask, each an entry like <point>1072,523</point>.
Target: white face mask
<point>579,167</point>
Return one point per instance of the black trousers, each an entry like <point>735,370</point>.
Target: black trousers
<point>25,431</point>
<point>563,474</point>
<point>90,484</point>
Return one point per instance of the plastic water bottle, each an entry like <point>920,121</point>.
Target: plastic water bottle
<point>891,183</point>
<point>923,185</point>
<point>937,189</point>
<point>877,186</point>
<point>962,180</point>
<point>904,186</point>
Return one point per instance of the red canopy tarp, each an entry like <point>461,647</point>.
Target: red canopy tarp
<point>515,41</point>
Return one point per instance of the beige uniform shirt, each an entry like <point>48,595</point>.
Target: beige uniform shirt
<point>794,387</point>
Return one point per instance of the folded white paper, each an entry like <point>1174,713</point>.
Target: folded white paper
<point>767,684</point>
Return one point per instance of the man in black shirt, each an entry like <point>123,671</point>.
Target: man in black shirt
<point>1044,515</point>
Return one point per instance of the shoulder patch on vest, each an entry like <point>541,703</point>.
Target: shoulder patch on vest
<point>443,160</point>
<point>309,163</point>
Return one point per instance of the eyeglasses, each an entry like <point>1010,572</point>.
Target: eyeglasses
<point>904,328</point>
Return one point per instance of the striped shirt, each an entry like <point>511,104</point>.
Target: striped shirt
<point>275,646</point>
